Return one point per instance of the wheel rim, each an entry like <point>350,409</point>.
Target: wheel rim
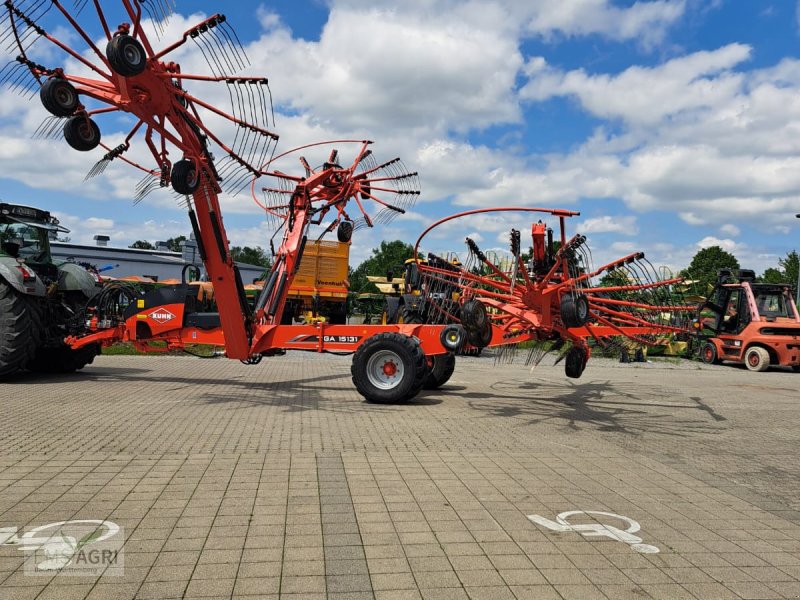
<point>132,55</point>
<point>582,308</point>
<point>191,178</point>
<point>753,359</point>
<point>385,370</point>
<point>86,132</point>
<point>708,354</point>
<point>64,96</point>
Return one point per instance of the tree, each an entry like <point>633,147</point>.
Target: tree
<point>174,244</point>
<point>251,256</point>
<point>790,266</point>
<point>772,275</point>
<point>390,255</point>
<point>142,245</point>
<point>704,266</point>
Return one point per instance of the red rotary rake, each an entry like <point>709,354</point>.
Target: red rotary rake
<point>554,298</point>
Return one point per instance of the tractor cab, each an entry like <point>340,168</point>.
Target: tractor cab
<point>25,233</point>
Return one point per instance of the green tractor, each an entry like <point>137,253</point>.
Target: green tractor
<point>40,303</point>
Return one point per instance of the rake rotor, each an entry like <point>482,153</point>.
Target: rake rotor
<point>130,76</point>
<point>554,298</point>
<point>388,187</point>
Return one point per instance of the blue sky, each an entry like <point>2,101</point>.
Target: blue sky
<point>669,124</point>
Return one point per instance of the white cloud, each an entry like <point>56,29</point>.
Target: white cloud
<point>730,229</point>
<point>607,224</point>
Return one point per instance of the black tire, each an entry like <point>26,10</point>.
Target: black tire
<point>59,97</point>
<point>63,359</point>
<point>18,332</point>
<point>796,368</point>
<point>574,310</point>
<point>185,179</point>
<point>344,232</point>
<point>82,133</point>
<point>453,337</point>
<point>575,362</point>
<point>126,55</point>
<point>474,316</point>
<point>480,339</point>
<point>410,316</point>
<point>389,367</point>
<point>708,353</point>
<point>441,371</point>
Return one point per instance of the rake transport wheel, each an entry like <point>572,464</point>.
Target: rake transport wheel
<point>17,331</point>
<point>708,354</point>
<point>126,55</point>
<point>59,97</point>
<point>389,367</point>
<point>440,371</point>
<point>756,359</point>
<point>82,133</point>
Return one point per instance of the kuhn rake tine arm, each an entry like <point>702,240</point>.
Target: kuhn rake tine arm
<point>86,38</point>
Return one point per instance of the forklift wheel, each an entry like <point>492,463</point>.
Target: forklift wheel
<point>389,367</point>
<point>708,353</point>
<point>756,359</point>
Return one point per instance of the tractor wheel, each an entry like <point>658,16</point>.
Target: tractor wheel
<point>575,362</point>
<point>126,55</point>
<point>474,316</point>
<point>756,359</point>
<point>389,367</point>
<point>708,354</point>
<point>441,370</point>
<point>574,310</point>
<point>63,359</point>
<point>344,233</point>
<point>59,97</point>
<point>18,332</point>
<point>185,179</point>
<point>82,133</point>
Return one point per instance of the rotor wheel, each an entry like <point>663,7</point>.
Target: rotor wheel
<point>344,232</point>
<point>440,371</point>
<point>18,331</point>
<point>482,338</point>
<point>474,316</point>
<point>185,177</point>
<point>575,362</point>
<point>756,359</point>
<point>389,367</point>
<point>59,97</point>
<point>126,55</point>
<point>708,353</point>
<point>82,133</point>
<point>574,310</point>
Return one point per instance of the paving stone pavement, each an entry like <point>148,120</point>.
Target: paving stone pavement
<point>279,481</point>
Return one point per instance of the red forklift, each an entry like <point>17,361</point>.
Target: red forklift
<point>744,322</point>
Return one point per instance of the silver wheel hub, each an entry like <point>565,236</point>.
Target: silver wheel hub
<point>385,370</point>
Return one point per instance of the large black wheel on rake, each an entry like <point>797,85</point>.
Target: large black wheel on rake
<point>82,133</point>
<point>126,55</point>
<point>574,310</point>
<point>474,316</point>
<point>441,370</point>
<point>59,97</point>
<point>185,178</point>
<point>389,367</point>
